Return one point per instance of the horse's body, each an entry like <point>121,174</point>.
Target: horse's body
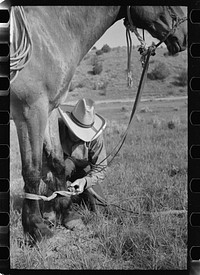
<point>61,37</point>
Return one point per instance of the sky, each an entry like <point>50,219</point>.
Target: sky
<point>116,36</point>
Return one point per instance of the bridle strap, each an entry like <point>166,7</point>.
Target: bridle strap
<point>129,50</point>
<point>131,28</point>
<point>176,21</point>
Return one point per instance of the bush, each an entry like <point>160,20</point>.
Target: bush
<point>103,92</point>
<point>80,85</point>
<point>99,52</point>
<point>182,78</point>
<point>156,122</point>
<point>101,85</point>
<point>160,72</point>
<point>174,122</point>
<point>105,49</point>
<point>84,83</point>
<point>97,67</point>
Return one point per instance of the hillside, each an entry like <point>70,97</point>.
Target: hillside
<point>111,82</point>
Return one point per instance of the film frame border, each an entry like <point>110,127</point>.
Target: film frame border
<point>193,138</point>
<point>5,134</point>
<point>192,201</point>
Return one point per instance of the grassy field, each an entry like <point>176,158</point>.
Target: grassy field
<point>148,176</point>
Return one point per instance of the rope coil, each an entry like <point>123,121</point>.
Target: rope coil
<point>21,40</point>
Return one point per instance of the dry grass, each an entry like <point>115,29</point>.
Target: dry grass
<point>148,175</point>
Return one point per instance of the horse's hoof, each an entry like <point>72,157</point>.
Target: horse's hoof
<point>32,222</point>
<point>37,235</point>
<point>36,229</point>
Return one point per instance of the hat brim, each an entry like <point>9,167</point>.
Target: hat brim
<point>85,134</point>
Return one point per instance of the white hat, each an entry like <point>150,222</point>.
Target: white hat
<point>83,121</point>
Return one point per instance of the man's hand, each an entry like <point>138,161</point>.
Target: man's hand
<point>79,185</point>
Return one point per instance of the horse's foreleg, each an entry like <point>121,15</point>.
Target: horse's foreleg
<point>31,123</point>
<point>53,168</point>
<point>53,159</point>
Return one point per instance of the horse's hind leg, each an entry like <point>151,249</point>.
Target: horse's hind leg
<point>31,122</point>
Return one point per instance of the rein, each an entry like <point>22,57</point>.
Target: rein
<point>22,42</point>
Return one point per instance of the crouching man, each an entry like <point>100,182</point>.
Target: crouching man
<point>81,135</point>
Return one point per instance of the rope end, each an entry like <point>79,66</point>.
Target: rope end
<point>129,79</point>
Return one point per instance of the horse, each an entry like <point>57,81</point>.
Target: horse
<point>61,36</point>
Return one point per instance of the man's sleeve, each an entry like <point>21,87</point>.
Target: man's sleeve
<point>98,161</point>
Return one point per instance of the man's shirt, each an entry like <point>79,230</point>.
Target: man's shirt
<point>84,154</point>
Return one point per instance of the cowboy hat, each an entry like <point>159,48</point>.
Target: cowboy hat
<point>83,121</point>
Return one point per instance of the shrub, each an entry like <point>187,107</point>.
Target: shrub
<point>123,109</point>
<point>97,67</point>
<point>80,85</point>
<point>101,85</point>
<point>174,122</point>
<point>156,122</point>
<point>182,78</point>
<point>99,52</point>
<point>103,92</point>
<point>160,72</point>
<point>170,92</point>
<point>105,49</point>
<point>181,90</point>
<point>84,83</point>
